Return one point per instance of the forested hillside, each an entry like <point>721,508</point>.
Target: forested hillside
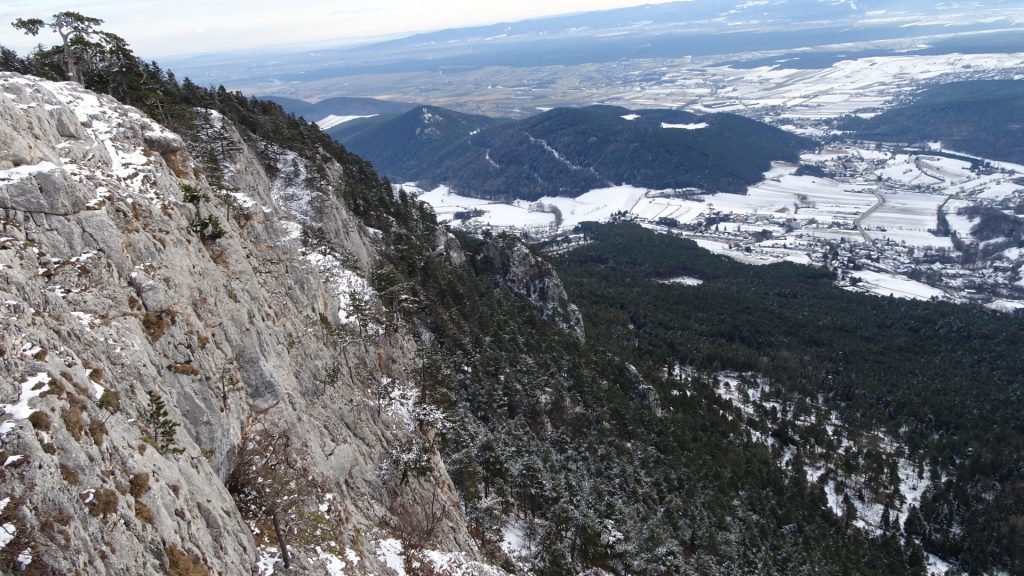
<point>417,142</point>
<point>942,379</point>
<point>981,117</point>
<point>569,151</point>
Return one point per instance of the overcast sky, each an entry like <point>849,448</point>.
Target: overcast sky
<point>158,28</point>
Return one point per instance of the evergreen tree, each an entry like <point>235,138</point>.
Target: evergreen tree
<point>913,526</point>
<point>76,34</point>
<point>160,426</point>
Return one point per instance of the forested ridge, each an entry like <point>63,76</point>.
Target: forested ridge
<point>981,117</point>
<point>415,143</point>
<point>569,151</point>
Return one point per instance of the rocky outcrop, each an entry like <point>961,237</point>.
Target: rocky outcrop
<point>525,274</point>
<point>117,299</point>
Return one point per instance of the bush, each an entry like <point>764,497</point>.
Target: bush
<point>186,368</point>
<point>139,485</point>
<point>104,502</point>
<point>74,421</point>
<point>69,474</point>
<point>143,513</point>
<point>111,400</point>
<point>98,431</point>
<point>208,228</point>
<point>156,323</point>
<point>192,195</point>
<point>181,563</point>
<point>40,421</point>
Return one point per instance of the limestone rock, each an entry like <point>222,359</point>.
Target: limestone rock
<point>109,296</point>
<point>525,274</point>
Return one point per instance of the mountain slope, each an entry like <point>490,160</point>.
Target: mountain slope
<point>834,381</point>
<point>353,384</point>
<point>207,342</point>
<point>568,151</point>
<point>413,143</point>
<point>981,117</point>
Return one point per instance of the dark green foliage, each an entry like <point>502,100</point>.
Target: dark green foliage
<point>81,40</point>
<point>994,223</point>
<point>159,425</point>
<point>208,228</point>
<point>468,214</point>
<point>942,378</point>
<point>414,143</point>
<point>982,117</point>
<point>192,195</point>
<point>545,427</point>
<point>43,62</point>
<point>568,151</point>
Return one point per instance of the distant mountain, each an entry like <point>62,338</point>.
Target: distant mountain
<point>982,117</point>
<point>340,106</point>
<point>418,142</point>
<point>568,151</point>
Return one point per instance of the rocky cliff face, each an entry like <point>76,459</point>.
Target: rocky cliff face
<point>526,275</point>
<point>130,283</point>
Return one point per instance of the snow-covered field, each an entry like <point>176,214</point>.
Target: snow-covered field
<point>889,284</point>
<point>907,217</point>
<point>860,86</point>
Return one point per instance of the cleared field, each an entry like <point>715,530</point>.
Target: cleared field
<point>884,284</point>
<point>907,217</point>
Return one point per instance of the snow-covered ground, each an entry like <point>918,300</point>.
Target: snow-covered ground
<point>332,120</point>
<point>391,552</point>
<point>31,388</point>
<point>907,217</point>
<point>888,284</point>
<point>751,394</point>
<point>860,86</point>
<point>684,281</point>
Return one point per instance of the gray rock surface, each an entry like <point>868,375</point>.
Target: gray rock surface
<point>525,274</point>
<point>107,295</point>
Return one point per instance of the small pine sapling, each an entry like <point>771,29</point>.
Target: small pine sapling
<point>160,426</point>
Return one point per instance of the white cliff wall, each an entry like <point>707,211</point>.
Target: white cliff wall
<point>107,293</point>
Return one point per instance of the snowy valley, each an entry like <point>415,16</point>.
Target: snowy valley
<point>889,219</point>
